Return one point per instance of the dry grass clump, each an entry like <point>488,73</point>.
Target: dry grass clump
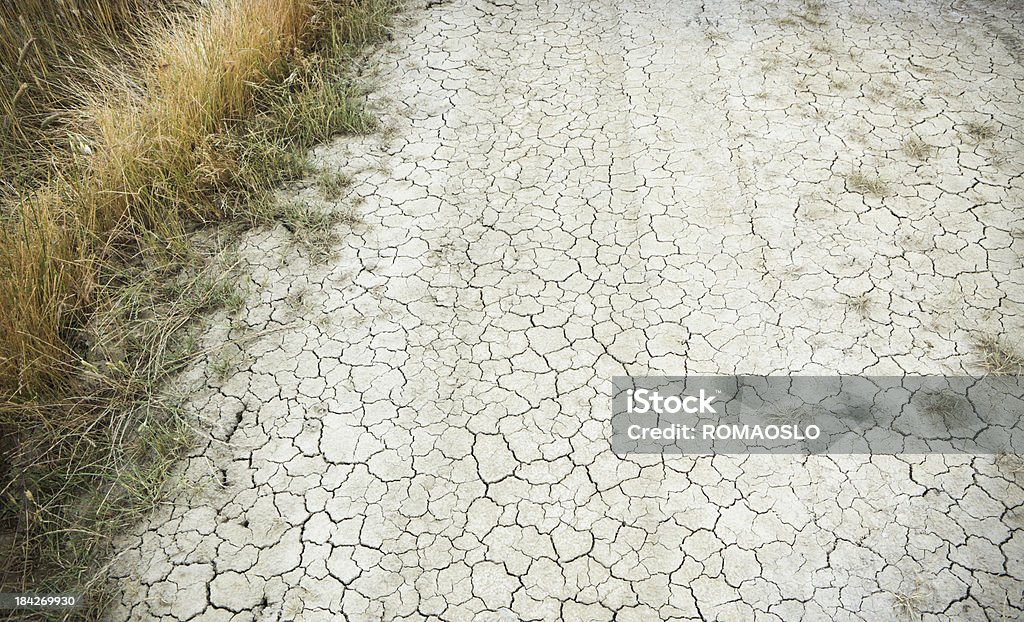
<point>132,122</point>
<point>867,183</point>
<point>812,13</point>
<point>981,131</point>
<point>909,605</point>
<point>1011,464</point>
<point>917,149</point>
<point>997,357</point>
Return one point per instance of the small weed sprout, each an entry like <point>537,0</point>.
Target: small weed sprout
<point>297,300</point>
<point>224,364</point>
<point>861,305</point>
<point>333,184</point>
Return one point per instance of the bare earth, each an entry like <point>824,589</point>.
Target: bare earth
<point>578,189</point>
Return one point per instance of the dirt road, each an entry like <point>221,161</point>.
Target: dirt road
<point>577,189</point>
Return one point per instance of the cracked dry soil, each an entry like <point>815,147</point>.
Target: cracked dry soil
<point>583,188</point>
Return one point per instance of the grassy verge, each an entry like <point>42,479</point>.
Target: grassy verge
<point>128,125</point>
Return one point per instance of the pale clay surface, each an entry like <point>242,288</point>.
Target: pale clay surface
<point>580,189</point>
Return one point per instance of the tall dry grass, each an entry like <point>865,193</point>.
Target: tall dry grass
<point>127,123</point>
<point>156,155</point>
<point>43,277</point>
<point>146,155</point>
<point>51,52</point>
